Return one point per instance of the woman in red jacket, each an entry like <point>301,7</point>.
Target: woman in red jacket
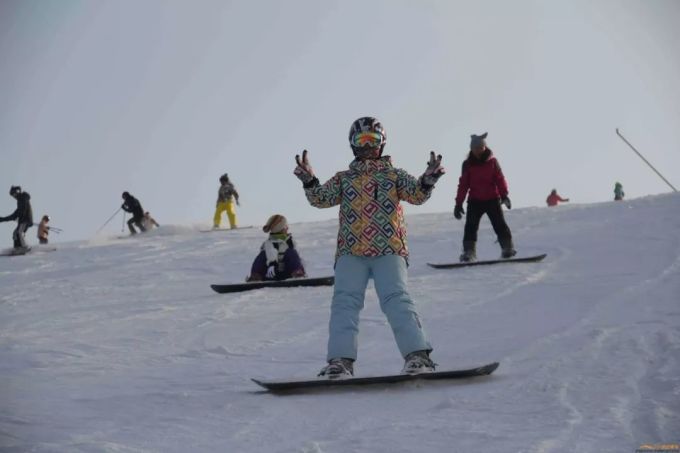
<point>483,178</point>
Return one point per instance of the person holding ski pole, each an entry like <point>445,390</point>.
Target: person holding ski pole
<point>23,215</point>
<point>134,207</point>
<point>278,258</point>
<point>44,229</point>
<point>482,177</point>
<point>371,244</point>
<point>553,199</point>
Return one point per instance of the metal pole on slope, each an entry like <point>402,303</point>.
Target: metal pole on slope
<point>645,160</point>
<point>107,222</point>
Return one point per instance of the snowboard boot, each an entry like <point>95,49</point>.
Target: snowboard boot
<point>469,252</point>
<point>418,362</point>
<point>338,368</point>
<point>507,248</point>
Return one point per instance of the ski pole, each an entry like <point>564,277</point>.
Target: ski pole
<point>110,218</point>
<point>122,227</point>
<point>645,160</point>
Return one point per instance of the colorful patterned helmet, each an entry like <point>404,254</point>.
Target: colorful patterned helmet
<point>367,124</point>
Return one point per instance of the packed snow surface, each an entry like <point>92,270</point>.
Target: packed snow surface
<point>119,345</point>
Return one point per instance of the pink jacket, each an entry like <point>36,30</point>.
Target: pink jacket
<point>483,178</point>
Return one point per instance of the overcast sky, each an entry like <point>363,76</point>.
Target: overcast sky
<point>161,97</point>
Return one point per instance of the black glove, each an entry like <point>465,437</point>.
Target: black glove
<point>434,170</point>
<point>506,202</point>
<point>458,211</point>
<point>303,170</point>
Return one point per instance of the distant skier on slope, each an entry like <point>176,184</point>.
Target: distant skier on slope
<point>618,192</point>
<point>371,243</point>
<point>44,229</point>
<point>278,258</point>
<point>134,207</point>
<point>553,199</point>
<point>482,177</point>
<point>23,215</point>
<point>226,195</point>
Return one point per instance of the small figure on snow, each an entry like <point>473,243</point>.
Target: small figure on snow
<point>44,229</point>
<point>482,177</point>
<point>618,192</point>
<point>553,199</point>
<point>23,215</point>
<point>134,207</point>
<point>226,195</point>
<point>149,222</point>
<point>371,244</point>
<point>278,258</point>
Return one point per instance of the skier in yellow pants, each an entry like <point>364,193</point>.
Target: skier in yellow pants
<point>226,196</point>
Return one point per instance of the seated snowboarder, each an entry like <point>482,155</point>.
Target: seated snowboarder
<point>134,207</point>
<point>278,258</point>
<point>23,215</point>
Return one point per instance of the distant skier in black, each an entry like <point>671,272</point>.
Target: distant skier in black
<point>134,207</point>
<point>23,215</point>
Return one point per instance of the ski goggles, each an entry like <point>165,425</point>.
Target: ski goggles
<point>367,139</point>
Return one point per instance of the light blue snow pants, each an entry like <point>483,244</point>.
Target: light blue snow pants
<point>389,276</point>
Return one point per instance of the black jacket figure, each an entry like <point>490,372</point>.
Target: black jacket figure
<point>134,207</point>
<point>23,215</point>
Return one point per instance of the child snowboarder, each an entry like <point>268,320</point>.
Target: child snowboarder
<point>553,199</point>
<point>371,244</point>
<point>278,258</point>
<point>226,195</point>
<point>482,177</point>
<point>134,207</point>
<point>23,215</point>
<point>618,192</point>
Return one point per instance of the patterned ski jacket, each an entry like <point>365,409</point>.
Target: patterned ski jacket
<point>483,178</point>
<point>371,217</point>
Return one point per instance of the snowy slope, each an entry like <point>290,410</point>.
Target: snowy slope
<point>121,346</point>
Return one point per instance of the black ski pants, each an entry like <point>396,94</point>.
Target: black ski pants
<point>18,235</point>
<point>492,208</point>
<point>136,221</point>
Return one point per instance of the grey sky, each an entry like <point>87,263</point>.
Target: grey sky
<point>161,97</point>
